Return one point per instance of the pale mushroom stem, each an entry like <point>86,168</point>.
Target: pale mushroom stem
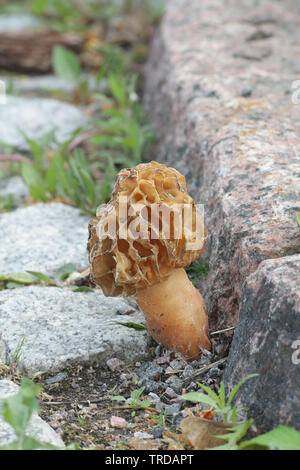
<point>175,314</point>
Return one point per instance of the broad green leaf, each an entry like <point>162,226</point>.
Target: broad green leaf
<point>16,413</point>
<point>14,285</point>
<point>29,443</point>
<point>66,64</point>
<point>235,434</point>
<point>37,6</point>
<point>144,404</point>
<point>82,289</point>
<point>21,278</point>
<point>38,193</point>
<point>298,218</point>
<point>210,392</point>
<point>32,176</point>
<point>198,397</point>
<point>36,149</point>
<point>118,398</point>
<point>118,89</point>
<point>130,324</point>
<point>65,271</point>
<point>40,276</point>
<point>50,177</point>
<point>137,393</point>
<point>281,438</point>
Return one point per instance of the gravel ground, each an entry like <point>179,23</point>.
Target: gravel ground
<point>78,403</point>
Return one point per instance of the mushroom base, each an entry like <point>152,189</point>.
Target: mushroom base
<point>176,315</point>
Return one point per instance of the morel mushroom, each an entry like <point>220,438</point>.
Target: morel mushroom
<point>139,243</point>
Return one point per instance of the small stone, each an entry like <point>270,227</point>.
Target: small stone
<point>170,393</point>
<point>117,422</point>
<point>103,388</point>
<point>153,372</point>
<point>143,444</point>
<point>247,91</point>
<point>176,365</point>
<point>188,371</point>
<point>175,383</point>
<point>142,435</point>
<point>177,418</point>
<point>163,359</point>
<point>113,364</point>
<point>173,409</point>
<point>157,431</point>
<point>57,378</point>
<point>153,397</point>
<point>214,373</point>
<point>151,385</point>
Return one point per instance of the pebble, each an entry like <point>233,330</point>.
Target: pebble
<point>153,372</point>
<point>188,371</point>
<point>117,422</point>
<point>175,383</point>
<point>56,379</point>
<point>153,397</point>
<point>142,435</point>
<point>113,364</point>
<point>151,385</point>
<point>176,365</point>
<point>170,393</point>
<point>157,431</point>
<point>214,373</point>
<point>246,91</point>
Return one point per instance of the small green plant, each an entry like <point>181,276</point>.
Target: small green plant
<point>66,176</point>
<point>219,403</point>
<point>73,15</point>
<point>279,438</point>
<point>16,355</point>
<point>197,269</point>
<point>14,280</point>
<point>130,324</point>
<point>7,203</point>
<point>17,411</point>
<point>134,401</point>
<point>66,64</point>
<point>160,418</point>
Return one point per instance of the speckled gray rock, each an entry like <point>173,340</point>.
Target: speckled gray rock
<point>61,327</point>
<point>267,341</point>
<point>43,237</point>
<point>17,22</point>
<point>15,186</point>
<point>36,117</point>
<point>37,428</point>
<point>240,154</point>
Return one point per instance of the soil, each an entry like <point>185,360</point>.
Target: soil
<point>81,410</point>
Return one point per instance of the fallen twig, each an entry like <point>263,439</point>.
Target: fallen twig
<point>222,331</point>
<point>204,369</point>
